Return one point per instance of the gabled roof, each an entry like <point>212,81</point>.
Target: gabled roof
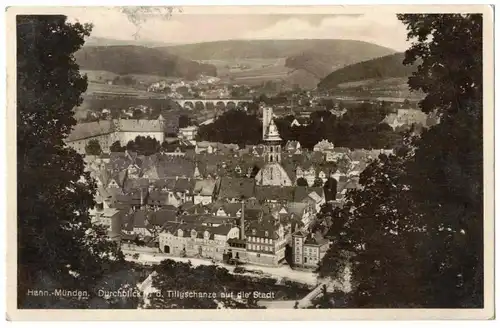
<point>267,224</point>
<point>292,145</point>
<point>184,185</point>
<point>90,129</point>
<point>159,218</point>
<point>204,187</point>
<point>171,166</point>
<point>276,193</point>
<point>235,188</point>
<point>296,208</point>
<point>253,213</point>
<point>166,183</point>
<point>191,208</point>
<point>136,220</point>
<point>139,125</point>
<point>315,239</point>
<point>300,233</point>
<point>231,209</point>
<point>157,197</point>
<point>189,228</point>
<point>151,172</point>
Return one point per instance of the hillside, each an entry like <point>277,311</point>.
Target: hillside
<point>125,60</point>
<point>386,67</point>
<point>255,61</point>
<point>97,41</point>
<point>241,49</point>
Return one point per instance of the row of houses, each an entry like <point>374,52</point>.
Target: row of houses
<point>248,232</point>
<point>117,169</point>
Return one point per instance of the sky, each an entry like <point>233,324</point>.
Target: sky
<point>201,24</point>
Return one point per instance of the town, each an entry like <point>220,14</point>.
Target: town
<point>198,199</point>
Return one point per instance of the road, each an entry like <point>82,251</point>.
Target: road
<point>281,272</point>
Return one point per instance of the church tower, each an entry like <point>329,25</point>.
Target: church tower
<point>272,144</point>
<point>272,173</point>
<point>267,115</point>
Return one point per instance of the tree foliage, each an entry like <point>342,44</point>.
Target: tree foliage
<point>93,148</point>
<point>233,126</point>
<point>184,121</point>
<point>414,229</point>
<point>318,182</point>
<point>448,163</point>
<point>330,189</point>
<point>360,127</point>
<point>58,246</point>
<point>302,182</point>
<point>144,145</point>
<point>116,147</point>
<point>215,281</point>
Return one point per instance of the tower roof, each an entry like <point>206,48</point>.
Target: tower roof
<point>272,133</point>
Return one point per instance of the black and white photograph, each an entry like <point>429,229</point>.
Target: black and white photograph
<point>288,160</point>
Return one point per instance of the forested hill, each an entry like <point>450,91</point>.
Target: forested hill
<point>302,62</point>
<point>239,49</point>
<point>129,59</point>
<point>379,68</point>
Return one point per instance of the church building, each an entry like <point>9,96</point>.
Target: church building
<point>272,173</point>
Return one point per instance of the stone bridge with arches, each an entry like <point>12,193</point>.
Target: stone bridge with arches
<point>204,101</point>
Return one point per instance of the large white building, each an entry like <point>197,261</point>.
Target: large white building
<point>109,131</point>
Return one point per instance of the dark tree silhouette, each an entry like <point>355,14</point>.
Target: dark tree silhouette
<point>56,238</point>
<point>183,277</point>
<point>255,170</point>
<point>318,182</point>
<point>447,169</point>
<point>116,147</point>
<point>184,121</point>
<point>144,145</point>
<point>302,182</point>
<point>330,188</point>
<point>233,126</point>
<point>137,114</point>
<point>93,148</point>
<point>415,229</point>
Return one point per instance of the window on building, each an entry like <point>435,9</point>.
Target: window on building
<point>267,233</point>
<point>258,255</point>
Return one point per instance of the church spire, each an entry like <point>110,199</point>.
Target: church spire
<point>272,142</point>
<point>272,133</point>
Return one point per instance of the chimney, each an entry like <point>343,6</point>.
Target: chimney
<point>242,221</point>
<point>142,197</point>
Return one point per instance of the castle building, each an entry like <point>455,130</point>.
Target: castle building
<point>272,174</point>
<point>107,132</point>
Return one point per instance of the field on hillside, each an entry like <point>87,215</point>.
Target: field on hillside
<point>393,89</point>
<point>94,88</point>
<point>250,71</point>
<point>97,76</point>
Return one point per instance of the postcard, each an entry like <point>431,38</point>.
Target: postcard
<point>250,163</point>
